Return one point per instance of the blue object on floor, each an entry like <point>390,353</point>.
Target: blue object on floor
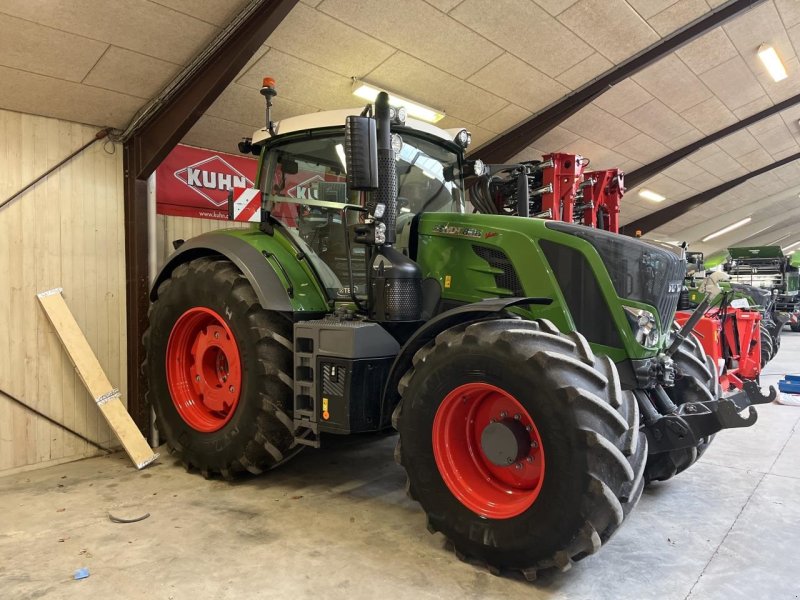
<point>790,384</point>
<point>82,573</point>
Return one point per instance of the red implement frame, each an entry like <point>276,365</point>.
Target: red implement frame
<point>596,194</point>
<point>733,340</point>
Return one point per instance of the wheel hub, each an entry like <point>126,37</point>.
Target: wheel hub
<point>505,442</point>
<point>488,450</point>
<point>203,368</point>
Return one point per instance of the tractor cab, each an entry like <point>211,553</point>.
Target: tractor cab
<point>303,179</point>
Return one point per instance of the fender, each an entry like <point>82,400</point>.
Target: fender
<point>269,289</point>
<point>475,311</point>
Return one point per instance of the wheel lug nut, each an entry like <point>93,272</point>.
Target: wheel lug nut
<point>230,389</point>
<point>216,335</point>
<point>492,421</point>
<point>518,466</point>
<point>503,415</point>
<point>516,417</point>
<point>509,460</point>
<point>197,378</point>
<point>534,444</point>
<point>224,378</point>
<point>527,427</point>
<point>529,459</point>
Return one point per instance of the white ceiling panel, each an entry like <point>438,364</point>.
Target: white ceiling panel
<point>64,55</point>
<point>733,83</point>
<point>612,27</point>
<point>137,25</point>
<point>527,31</point>
<point>677,15</point>
<point>708,51</point>
<point>518,82</point>
<point>658,121</point>
<point>322,40</point>
<point>431,38</point>
<point>709,116</point>
<point>623,98</point>
<point>660,81</point>
<point>131,73</point>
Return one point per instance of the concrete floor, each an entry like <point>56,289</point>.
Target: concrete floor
<point>335,523</point>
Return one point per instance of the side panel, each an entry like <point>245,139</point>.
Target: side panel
<point>282,279</point>
<point>447,252</point>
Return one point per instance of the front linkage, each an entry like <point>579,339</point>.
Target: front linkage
<point>674,427</point>
<point>694,421</point>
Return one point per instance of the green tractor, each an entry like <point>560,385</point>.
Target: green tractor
<point>530,366</point>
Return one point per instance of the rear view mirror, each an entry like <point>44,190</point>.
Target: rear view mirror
<point>361,153</point>
<point>290,166</point>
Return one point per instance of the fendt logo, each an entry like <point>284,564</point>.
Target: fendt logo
<point>213,178</point>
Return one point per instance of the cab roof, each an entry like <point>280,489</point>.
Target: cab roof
<point>336,118</point>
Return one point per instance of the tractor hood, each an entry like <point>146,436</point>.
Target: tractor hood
<point>642,271</point>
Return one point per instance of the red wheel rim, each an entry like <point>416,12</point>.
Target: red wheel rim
<point>204,372</point>
<point>490,490</point>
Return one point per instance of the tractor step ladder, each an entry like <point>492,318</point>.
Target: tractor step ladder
<point>306,411</point>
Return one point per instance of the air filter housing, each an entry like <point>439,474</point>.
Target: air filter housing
<point>395,293</point>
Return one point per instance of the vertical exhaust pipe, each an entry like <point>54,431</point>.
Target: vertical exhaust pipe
<point>383,205</point>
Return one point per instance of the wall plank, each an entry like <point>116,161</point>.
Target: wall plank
<point>169,229</point>
<point>66,232</point>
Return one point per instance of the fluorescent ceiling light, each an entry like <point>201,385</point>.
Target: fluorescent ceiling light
<point>650,195</point>
<point>772,62</point>
<point>728,229</point>
<point>791,246</point>
<point>413,109</point>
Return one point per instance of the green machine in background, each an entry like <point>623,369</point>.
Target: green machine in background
<point>530,366</point>
<point>768,268</point>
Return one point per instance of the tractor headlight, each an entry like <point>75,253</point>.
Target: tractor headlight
<point>643,324</point>
<point>397,144</point>
<point>463,138</point>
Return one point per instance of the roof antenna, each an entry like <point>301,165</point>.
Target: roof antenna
<point>268,91</point>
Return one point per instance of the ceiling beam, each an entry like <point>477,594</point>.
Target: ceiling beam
<point>152,135</point>
<point>174,114</point>
<point>649,170</point>
<point>523,135</point>
<point>667,214</point>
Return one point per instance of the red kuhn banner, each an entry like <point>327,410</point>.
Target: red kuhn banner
<point>192,182</point>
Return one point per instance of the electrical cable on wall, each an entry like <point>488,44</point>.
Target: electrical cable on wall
<point>102,134</point>
<point>52,421</point>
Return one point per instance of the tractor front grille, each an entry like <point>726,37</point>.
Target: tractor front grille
<point>498,259</point>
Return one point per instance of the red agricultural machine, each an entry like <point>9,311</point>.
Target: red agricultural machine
<point>731,337</point>
<point>558,188</point>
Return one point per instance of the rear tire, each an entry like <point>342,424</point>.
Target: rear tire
<point>696,381</point>
<point>256,433</point>
<point>590,442</point>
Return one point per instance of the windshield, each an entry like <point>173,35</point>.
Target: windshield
<point>305,183</point>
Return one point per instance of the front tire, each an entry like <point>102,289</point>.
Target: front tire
<point>697,381</point>
<point>219,369</point>
<point>577,467</point>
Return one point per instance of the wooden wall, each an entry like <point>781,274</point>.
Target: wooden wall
<point>169,228</point>
<point>66,232</point>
